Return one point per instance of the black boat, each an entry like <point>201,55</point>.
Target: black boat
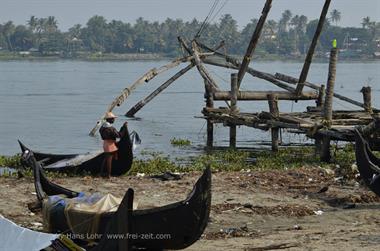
<point>90,162</point>
<point>173,226</point>
<point>368,163</point>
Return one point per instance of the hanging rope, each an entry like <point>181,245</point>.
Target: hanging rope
<point>203,25</point>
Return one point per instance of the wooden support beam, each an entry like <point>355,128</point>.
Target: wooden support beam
<point>254,41</point>
<point>366,90</point>
<point>210,125</point>
<point>275,131</point>
<point>310,53</point>
<point>292,80</point>
<point>263,95</point>
<point>233,108</point>
<point>162,87</point>
<point>202,70</point>
<point>184,45</point>
<point>327,111</point>
<point>321,96</point>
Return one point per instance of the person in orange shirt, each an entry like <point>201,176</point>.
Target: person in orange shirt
<point>109,135</point>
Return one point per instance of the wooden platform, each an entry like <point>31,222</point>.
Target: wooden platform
<point>309,123</point>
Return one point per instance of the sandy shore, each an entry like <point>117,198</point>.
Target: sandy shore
<point>250,210</point>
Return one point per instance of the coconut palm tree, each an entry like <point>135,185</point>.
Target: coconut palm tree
<point>7,30</point>
<point>366,21</point>
<point>284,21</point>
<point>33,23</point>
<point>51,24</point>
<point>335,16</point>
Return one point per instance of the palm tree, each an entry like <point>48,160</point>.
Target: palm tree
<point>284,21</point>
<point>33,23</point>
<point>7,31</point>
<point>75,31</point>
<point>366,21</point>
<point>335,16</point>
<point>51,24</point>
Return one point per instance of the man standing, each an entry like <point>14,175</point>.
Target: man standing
<point>109,135</point>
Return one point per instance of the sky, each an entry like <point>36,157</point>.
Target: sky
<point>71,12</point>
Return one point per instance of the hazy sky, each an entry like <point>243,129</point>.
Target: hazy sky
<point>70,12</point>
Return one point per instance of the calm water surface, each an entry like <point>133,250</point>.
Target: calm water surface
<point>52,106</point>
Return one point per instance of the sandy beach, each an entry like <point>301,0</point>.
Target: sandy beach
<point>300,209</point>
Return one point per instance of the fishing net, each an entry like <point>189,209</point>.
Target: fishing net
<point>85,216</point>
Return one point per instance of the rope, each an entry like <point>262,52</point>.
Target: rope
<point>203,25</point>
<point>212,19</point>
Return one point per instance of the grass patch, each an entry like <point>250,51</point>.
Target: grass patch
<point>180,142</point>
<point>227,160</point>
<point>10,161</point>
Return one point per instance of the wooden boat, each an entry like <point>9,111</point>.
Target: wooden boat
<point>91,163</point>
<point>368,163</point>
<point>182,223</point>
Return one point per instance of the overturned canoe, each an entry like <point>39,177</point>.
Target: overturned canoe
<point>173,226</point>
<point>90,162</point>
<point>368,163</point>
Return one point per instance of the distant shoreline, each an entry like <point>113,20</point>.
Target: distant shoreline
<point>157,57</point>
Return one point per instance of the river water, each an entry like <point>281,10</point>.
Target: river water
<point>52,106</point>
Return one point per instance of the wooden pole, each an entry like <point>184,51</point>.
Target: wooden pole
<point>210,125</point>
<point>366,90</point>
<point>310,53</point>
<point>321,96</point>
<point>233,109</point>
<point>162,87</point>
<point>263,95</point>
<point>275,131</point>
<point>254,41</point>
<point>327,111</point>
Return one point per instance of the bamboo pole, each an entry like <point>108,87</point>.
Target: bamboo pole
<point>254,41</point>
<point>366,90</point>
<point>275,132</point>
<point>327,111</point>
<point>233,109</point>
<point>263,95</point>
<point>162,87</point>
<point>143,79</point>
<point>310,53</point>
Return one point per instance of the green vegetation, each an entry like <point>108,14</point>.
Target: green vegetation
<point>10,161</point>
<point>234,160</point>
<point>99,39</point>
<point>229,160</point>
<point>180,142</point>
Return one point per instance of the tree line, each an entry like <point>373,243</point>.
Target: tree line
<point>288,36</point>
